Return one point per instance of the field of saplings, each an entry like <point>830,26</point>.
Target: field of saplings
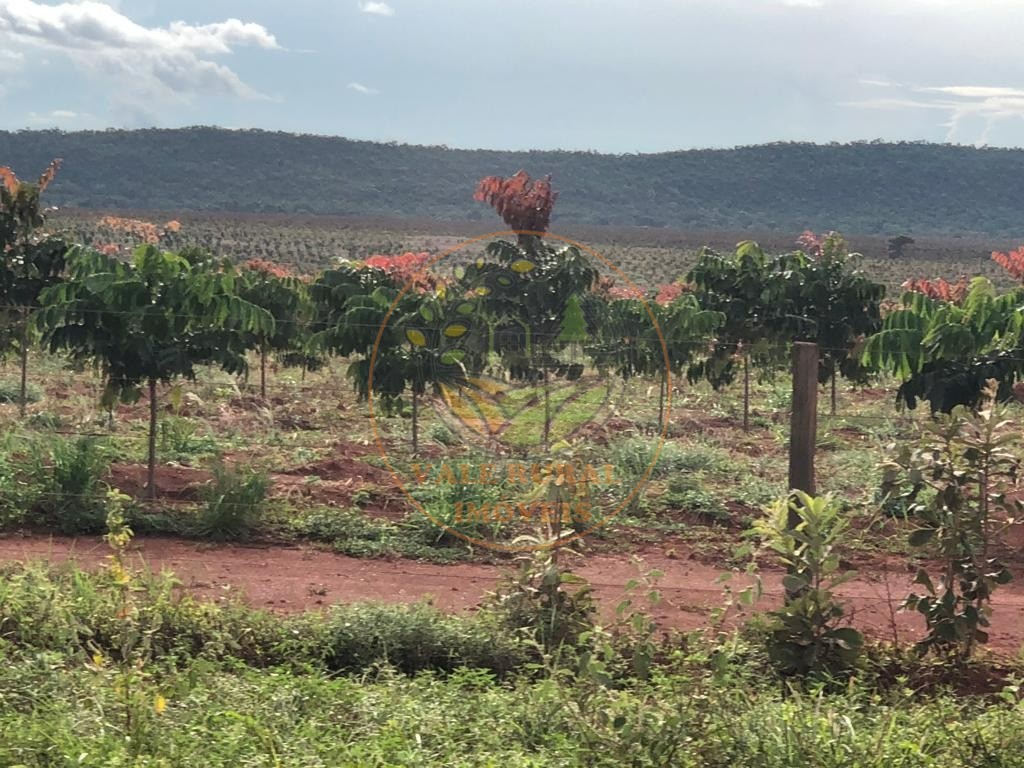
<point>322,493</point>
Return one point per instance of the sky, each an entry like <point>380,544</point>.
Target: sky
<point>619,76</point>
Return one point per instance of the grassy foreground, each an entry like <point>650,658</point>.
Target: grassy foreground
<point>170,681</point>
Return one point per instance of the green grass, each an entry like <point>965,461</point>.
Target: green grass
<point>350,532</point>
<point>55,716</point>
<point>370,685</point>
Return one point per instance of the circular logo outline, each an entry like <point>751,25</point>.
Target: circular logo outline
<point>662,437</point>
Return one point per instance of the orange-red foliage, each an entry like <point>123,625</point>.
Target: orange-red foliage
<point>523,204</point>
<point>1012,262</point>
<point>664,294</point>
<point>408,268</point>
<point>11,182</point>
<point>669,292</point>
<point>951,293</point>
<point>137,229</point>
<point>810,243</point>
<point>9,179</point>
<point>49,174</point>
<point>623,292</point>
<point>268,268</point>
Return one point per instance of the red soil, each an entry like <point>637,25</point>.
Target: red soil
<point>332,481</point>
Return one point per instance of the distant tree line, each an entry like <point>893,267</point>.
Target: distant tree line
<point>869,188</point>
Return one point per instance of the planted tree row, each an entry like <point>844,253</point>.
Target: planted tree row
<point>529,310</point>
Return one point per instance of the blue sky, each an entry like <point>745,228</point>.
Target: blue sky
<point>605,75</point>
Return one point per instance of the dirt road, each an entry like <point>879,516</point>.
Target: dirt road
<point>289,579</point>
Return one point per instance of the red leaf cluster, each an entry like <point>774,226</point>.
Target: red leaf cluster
<point>1012,262</point>
<point>669,292</point>
<point>11,182</point>
<point>49,174</point>
<point>810,243</point>
<point>407,268</point>
<point>951,293</point>
<point>143,231</point>
<point>268,268</point>
<point>624,292</point>
<point>523,204</point>
<point>664,294</point>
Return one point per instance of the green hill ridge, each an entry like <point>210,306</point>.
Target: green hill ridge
<point>864,188</point>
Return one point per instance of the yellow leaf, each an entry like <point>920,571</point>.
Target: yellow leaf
<point>159,704</point>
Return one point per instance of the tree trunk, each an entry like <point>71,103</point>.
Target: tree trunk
<point>661,403</point>
<point>263,373</point>
<point>151,482</point>
<point>833,392</point>
<point>415,424</point>
<point>23,393</point>
<point>547,411</point>
<point>746,393</point>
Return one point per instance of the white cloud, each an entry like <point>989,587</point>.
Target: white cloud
<point>975,91</point>
<point>896,104</point>
<point>54,117</point>
<point>364,89</point>
<point>148,62</point>
<point>378,9</point>
<point>804,3</point>
<point>876,83</point>
<point>973,110</point>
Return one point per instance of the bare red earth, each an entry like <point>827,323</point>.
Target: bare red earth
<point>294,578</point>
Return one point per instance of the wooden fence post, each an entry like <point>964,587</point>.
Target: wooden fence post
<point>803,431</point>
<point>803,426</point>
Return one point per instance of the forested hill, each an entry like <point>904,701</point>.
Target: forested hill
<point>867,188</point>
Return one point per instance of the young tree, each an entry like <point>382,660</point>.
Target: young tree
<point>829,301</point>
<point>897,244</point>
<point>635,336</point>
<point>946,352</point>
<point>530,298</point>
<point>150,320</point>
<point>748,291</point>
<point>285,297</point>
<point>351,304</point>
<point>687,329</point>
<point>30,260</point>
<point>401,340</point>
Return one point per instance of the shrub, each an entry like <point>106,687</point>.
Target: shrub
<point>233,503</point>
<point>956,482</point>
<point>74,499</point>
<point>54,484</point>
<point>536,602</point>
<point>415,637</point>
<point>804,635</point>
<point>439,433</point>
<point>78,614</point>
<point>633,456</point>
<point>687,493</point>
<point>178,439</point>
<point>441,501</point>
<point>10,392</point>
